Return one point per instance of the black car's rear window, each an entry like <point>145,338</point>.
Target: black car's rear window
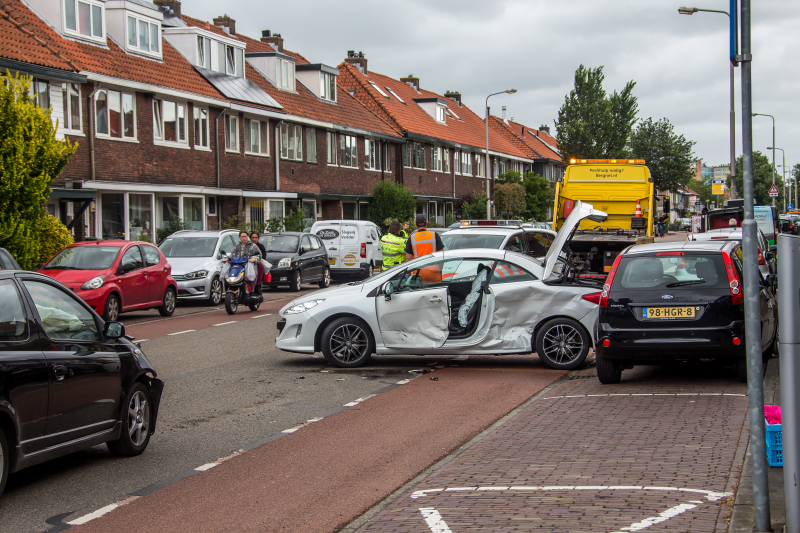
<point>657,272</point>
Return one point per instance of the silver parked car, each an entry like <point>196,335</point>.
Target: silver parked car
<point>464,301</point>
<point>196,259</point>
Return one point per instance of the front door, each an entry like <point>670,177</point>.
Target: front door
<point>133,278</point>
<point>417,313</point>
<point>156,273</point>
<point>85,382</point>
<point>308,260</point>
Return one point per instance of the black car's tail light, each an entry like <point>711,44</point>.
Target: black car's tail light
<point>593,297</point>
<point>606,342</point>
<point>737,296</point>
<point>737,341</point>
<point>609,280</point>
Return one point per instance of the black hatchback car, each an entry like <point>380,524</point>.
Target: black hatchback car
<point>678,301</point>
<point>68,380</point>
<point>296,258</point>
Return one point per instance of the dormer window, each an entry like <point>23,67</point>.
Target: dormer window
<point>204,52</point>
<point>327,89</point>
<point>144,35</point>
<point>284,77</point>
<point>440,114</point>
<point>435,107</point>
<point>230,60</point>
<point>84,18</point>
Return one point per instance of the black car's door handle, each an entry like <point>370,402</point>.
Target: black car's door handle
<point>59,371</point>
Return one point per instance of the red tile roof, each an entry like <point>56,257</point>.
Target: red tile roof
<point>412,118</point>
<point>537,140</point>
<point>20,42</point>
<point>191,21</point>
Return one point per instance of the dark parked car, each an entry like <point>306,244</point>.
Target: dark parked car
<point>68,380</point>
<point>679,301</point>
<point>296,258</point>
<point>7,261</point>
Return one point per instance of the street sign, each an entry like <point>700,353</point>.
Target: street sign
<point>790,206</point>
<point>718,186</point>
<point>773,191</point>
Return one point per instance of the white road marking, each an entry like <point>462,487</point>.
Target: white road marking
<point>207,466</point>
<point>434,520</point>
<point>304,424</point>
<point>91,516</point>
<point>662,517</point>
<point>226,323</point>
<point>649,394</point>
<point>259,316</point>
<point>358,401</point>
<point>140,340</point>
<point>181,332</point>
<point>403,382</point>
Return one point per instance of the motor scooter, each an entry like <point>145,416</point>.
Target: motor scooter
<point>239,290</point>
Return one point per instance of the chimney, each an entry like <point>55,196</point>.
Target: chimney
<point>455,95</point>
<point>545,129</point>
<point>411,80</point>
<point>172,5</point>
<point>226,23</point>
<point>276,40</point>
<point>504,115</point>
<point>358,60</point>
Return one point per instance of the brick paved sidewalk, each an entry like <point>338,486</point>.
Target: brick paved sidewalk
<point>659,452</point>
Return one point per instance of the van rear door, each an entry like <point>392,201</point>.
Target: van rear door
<point>330,236</point>
<point>349,246</point>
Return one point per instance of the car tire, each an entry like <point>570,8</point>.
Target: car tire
<point>371,271</point>
<point>136,423</point>
<point>608,371</point>
<point>741,367</point>
<point>168,303</point>
<point>562,343</point>
<point>296,281</point>
<point>5,460</point>
<point>326,279</point>
<point>217,292</point>
<point>347,342</point>
<point>112,308</point>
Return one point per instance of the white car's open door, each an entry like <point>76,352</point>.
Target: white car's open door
<point>417,318</point>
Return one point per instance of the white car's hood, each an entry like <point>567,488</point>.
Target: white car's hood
<point>579,212</point>
<point>337,291</point>
<point>184,265</point>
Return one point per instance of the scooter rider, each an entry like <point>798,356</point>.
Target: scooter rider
<point>245,248</point>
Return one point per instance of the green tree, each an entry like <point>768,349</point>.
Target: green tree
<point>509,200</point>
<point>591,124</point>
<point>30,159</point>
<point>171,226</point>
<point>539,196</point>
<point>474,207</point>
<point>53,236</point>
<point>392,201</point>
<point>703,191</point>
<point>762,178</point>
<point>294,221</point>
<point>668,155</point>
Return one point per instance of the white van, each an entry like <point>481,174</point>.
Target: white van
<point>353,246</point>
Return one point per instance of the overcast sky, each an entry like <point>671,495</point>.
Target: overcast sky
<point>680,63</point>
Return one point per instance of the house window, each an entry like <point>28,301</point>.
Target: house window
<point>327,89</point>
<point>114,114</point>
<point>256,137</point>
<point>419,155</point>
<point>204,52</point>
<point>374,86</point>
<point>71,101</point>
<point>331,140</point>
<point>494,167</point>
<point>201,127</point>
<point>231,133</point>
<point>311,145</point>
<point>143,35</point>
<point>285,75</point>
<point>386,157</point>
<point>436,158</point>
<point>373,154</point>
<point>40,90</point>
<point>349,149</point>
<point>466,163</point>
<point>440,114</point>
<point>456,161</point>
<point>170,120</point>
<point>291,142</point>
<point>407,155</point>
<point>479,166</point>
<point>84,17</point>
<point>395,95</point>
<point>446,159</point>
<point>212,205</point>
<point>230,60</point>
<point>503,166</point>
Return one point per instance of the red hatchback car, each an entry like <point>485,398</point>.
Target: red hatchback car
<point>116,276</point>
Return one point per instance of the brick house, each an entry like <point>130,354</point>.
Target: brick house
<point>541,147</point>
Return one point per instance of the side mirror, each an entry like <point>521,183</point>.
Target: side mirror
<point>113,330</point>
<point>388,289</point>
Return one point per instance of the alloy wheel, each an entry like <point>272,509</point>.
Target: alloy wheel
<point>349,343</point>
<point>169,301</point>
<point>113,308</point>
<point>562,344</point>
<point>138,418</point>
<point>216,291</point>
<point>327,277</point>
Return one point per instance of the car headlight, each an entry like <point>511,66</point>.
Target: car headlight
<point>200,274</point>
<point>94,283</point>
<point>286,262</point>
<point>303,307</point>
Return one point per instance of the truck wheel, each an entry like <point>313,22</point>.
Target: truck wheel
<point>608,371</point>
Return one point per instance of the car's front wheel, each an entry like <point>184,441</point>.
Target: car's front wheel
<point>295,281</point>
<point>136,422</point>
<point>347,342</point>
<point>562,343</point>
<point>168,303</point>
<point>111,311</point>
<point>326,279</point>
<point>608,371</point>
<point>216,292</point>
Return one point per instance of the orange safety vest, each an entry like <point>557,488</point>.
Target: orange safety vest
<point>423,242</point>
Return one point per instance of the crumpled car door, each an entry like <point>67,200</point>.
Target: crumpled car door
<point>414,319</point>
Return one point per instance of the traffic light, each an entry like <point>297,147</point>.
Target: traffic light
<point>666,205</point>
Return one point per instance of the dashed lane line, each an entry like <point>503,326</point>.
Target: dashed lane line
<point>647,394</point>
<point>225,323</point>
<point>260,316</point>
<point>181,332</point>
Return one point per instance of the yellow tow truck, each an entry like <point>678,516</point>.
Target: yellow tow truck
<point>624,189</point>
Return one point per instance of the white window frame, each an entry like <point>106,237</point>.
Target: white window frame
<point>453,113</point>
<point>311,145</point>
<point>203,52</point>
<point>34,92</point>
<point>197,120</point>
<point>466,163</point>
<point>407,156</point>
<point>66,97</point>
<point>98,224</point>
<point>495,168</point>
<point>93,6</point>
<point>294,133</point>
<point>386,157</point>
<point>436,158</point>
<point>457,162</point>
<point>414,156</point>
<point>287,82</point>
<point>503,166</point>
<point>180,122</point>
<point>327,86</point>
<point>139,20</point>
<point>441,115</point>
<point>479,165</point>
<point>351,142</point>
<point>373,156</point>
<point>107,135</point>
<point>446,159</point>
<point>395,95</point>
<point>232,133</point>
<point>375,86</point>
<point>263,136</point>
<point>333,149</point>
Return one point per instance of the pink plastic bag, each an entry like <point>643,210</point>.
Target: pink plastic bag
<point>773,414</point>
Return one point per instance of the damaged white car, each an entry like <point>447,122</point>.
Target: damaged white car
<point>471,301</point>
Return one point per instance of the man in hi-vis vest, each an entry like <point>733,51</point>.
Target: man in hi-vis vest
<point>424,242</point>
<point>393,246</point>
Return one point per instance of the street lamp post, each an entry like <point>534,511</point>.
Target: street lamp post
<point>773,147</point>
<point>783,155</point>
<point>486,168</point>
<point>690,11</point>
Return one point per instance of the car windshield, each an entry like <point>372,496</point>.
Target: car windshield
<point>84,258</point>
<point>671,272</point>
<point>188,246</point>
<point>280,243</point>
<point>471,240</point>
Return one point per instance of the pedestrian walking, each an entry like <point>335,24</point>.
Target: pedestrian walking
<point>393,246</point>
